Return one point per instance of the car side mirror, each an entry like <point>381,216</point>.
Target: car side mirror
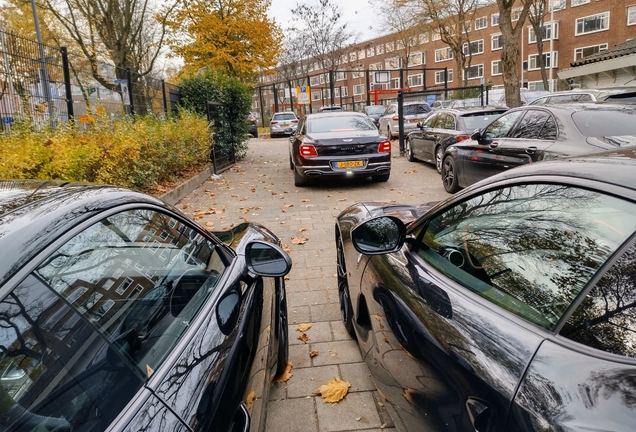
<point>380,235</point>
<point>227,311</point>
<point>481,137</point>
<point>267,259</point>
<point>419,125</point>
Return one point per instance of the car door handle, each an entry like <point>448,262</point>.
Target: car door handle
<point>531,150</point>
<point>481,414</point>
<point>493,145</point>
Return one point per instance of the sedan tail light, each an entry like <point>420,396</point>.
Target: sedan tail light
<point>294,121</point>
<point>384,147</point>
<point>273,122</point>
<point>459,138</point>
<point>395,118</point>
<point>307,150</point>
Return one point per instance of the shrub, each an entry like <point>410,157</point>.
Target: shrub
<point>133,152</point>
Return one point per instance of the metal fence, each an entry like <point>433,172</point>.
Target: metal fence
<point>49,86</point>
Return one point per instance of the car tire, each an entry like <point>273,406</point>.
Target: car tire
<point>255,134</point>
<point>388,132</point>
<point>346,309</point>
<point>409,151</point>
<point>449,175</point>
<point>439,155</point>
<point>283,342</point>
<point>291,164</point>
<point>299,181</point>
<point>381,177</point>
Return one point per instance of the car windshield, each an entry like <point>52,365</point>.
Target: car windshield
<point>375,109</point>
<point>416,109</point>
<point>480,120</point>
<point>284,116</point>
<point>617,126</point>
<point>339,124</point>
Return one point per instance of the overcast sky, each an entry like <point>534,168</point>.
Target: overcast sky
<point>357,14</point>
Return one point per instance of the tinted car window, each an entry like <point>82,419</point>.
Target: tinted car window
<point>416,109</point>
<point>140,277</point>
<point>606,319</point>
<point>432,121</point>
<point>528,248</point>
<point>500,127</point>
<point>340,123</point>
<point>532,125</point>
<point>284,116</point>
<point>375,109</point>
<point>449,122</point>
<point>474,121</point>
<point>599,123</point>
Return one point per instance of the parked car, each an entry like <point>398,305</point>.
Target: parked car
<point>375,112</point>
<point>414,113</point>
<point>535,133</point>
<point>439,104</point>
<point>445,127</point>
<point>330,108</point>
<point>283,123</point>
<point>120,313</point>
<point>339,144</point>
<point>498,96</point>
<point>613,95</point>
<point>509,307</point>
<point>252,124</point>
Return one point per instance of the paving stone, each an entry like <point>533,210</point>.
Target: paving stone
<point>299,356</point>
<point>328,312</point>
<point>291,415</point>
<point>355,412</point>
<point>359,375</point>
<point>338,329</point>
<point>298,314</point>
<point>308,298</point>
<point>336,352</point>
<point>306,380</point>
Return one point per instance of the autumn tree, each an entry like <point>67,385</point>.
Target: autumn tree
<point>293,65</point>
<point>231,36</point>
<point>510,56</point>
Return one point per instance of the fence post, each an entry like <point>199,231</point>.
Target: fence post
<point>424,78</point>
<point>481,94</point>
<point>67,84</point>
<point>275,98</point>
<point>332,89</point>
<point>130,92</point>
<point>400,102</point>
<point>368,88</point>
<point>446,83</point>
<point>260,99</point>
<point>311,101</point>
<point>291,97</point>
<point>165,100</point>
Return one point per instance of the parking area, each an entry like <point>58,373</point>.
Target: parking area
<point>261,189</point>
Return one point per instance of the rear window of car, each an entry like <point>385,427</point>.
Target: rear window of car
<point>284,116</point>
<point>376,109</point>
<point>606,123</point>
<point>340,124</point>
<point>416,109</point>
<point>480,120</point>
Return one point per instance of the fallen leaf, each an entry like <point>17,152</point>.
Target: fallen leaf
<point>245,182</point>
<point>234,196</point>
<point>274,193</point>
<point>286,277</point>
<point>303,337</point>
<point>286,247</point>
<point>377,317</point>
<point>210,224</point>
<point>301,229</point>
<point>250,398</point>
<point>304,200</point>
<point>283,222</point>
<point>342,199</point>
<point>197,217</point>
<point>253,190</point>
<point>303,327</point>
<point>313,354</point>
<point>383,426</point>
<point>334,391</point>
<point>244,198</point>
<point>408,395</point>
<point>299,240</point>
<point>286,375</point>
<point>185,206</point>
<point>288,205</point>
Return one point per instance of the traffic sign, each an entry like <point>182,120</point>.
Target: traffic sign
<point>302,95</point>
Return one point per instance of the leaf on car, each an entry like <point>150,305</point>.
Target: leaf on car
<point>303,327</point>
<point>301,229</point>
<point>250,398</point>
<point>285,376</point>
<point>303,337</point>
<point>299,240</point>
<point>313,354</point>
<point>334,391</point>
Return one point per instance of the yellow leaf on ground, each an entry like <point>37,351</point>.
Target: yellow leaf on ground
<point>250,398</point>
<point>408,395</point>
<point>304,200</point>
<point>334,391</point>
<point>185,206</point>
<point>313,354</point>
<point>286,247</point>
<point>301,229</point>
<point>234,196</point>
<point>285,376</point>
<point>303,327</point>
<point>303,337</point>
<point>299,240</point>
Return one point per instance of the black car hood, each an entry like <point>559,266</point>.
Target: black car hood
<point>407,213</point>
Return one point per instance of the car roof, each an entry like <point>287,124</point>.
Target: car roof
<point>472,109</point>
<point>284,112</point>
<point>571,108</point>
<point>335,114</point>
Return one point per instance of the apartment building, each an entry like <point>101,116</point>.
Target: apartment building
<point>573,29</point>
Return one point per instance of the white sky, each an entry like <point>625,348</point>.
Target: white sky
<point>358,14</point>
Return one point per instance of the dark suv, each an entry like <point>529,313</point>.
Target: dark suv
<point>252,123</point>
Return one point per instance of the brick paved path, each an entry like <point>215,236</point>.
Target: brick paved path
<point>261,189</point>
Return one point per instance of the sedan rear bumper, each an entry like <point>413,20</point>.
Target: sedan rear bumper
<point>369,169</point>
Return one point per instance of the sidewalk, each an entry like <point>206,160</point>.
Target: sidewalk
<point>260,189</point>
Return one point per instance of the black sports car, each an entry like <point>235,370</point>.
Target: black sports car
<point>118,312</point>
<point>509,307</point>
<point>339,144</point>
<point>536,133</point>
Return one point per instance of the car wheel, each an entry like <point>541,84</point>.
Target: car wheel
<point>299,180</point>
<point>291,164</point>
<point>381,177</point>
<point>283,341</point>
<point>388,132</point>
<point>255,134</point>
<point>409,151</point>
<point>346,310</point>
<point>439,154</point>
<point>449,175</point>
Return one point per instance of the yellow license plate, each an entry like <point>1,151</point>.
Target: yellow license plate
<point>349,164</point>
<point>284,124</point>
<point>416,120</point>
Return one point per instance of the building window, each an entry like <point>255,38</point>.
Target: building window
<point>494,20</point>
<point>338,90</point>
<point>443,54</point>
<point>358,89</point>
<point>533,64</point>
<point>389,47</point>
<point>556,5</point>
<point>467,27</point>
<point>399,44</point>
<point>341,76</point>
<point>353,57</point>
<point>172,222</point>
<point>415,59</point>
<point>344,59</point>
<point>481,23</point>
<point>592,23</point>
<point>496,68</point>
<point>472,48</point>
<point>315,96</point>
<point>538,85</point>
<point>423,38</point>
<point>412,41</point>
<point>414,80</point>
<point>496,42</point>
<point>313,81</point>
<point>474,72</point>
<point>121,289</point>
<point>379,49</point>
<point>515,14</point>
<point>393,62</point>
<point>579,53</point>
<point>361,54</point>
<point>357,74</point>
<point>395,83</point>
<point>108,283</point>
<point>439,76</point>
<point>549,30</point>
<point>436,35</point>
<point>370,52</point>
<point>631,15</point>
<point>574,3</point>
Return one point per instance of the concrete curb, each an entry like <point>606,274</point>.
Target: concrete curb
<point>175,195</point>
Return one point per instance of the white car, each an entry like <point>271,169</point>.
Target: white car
<point>414,113</point>
<point>283,123</point>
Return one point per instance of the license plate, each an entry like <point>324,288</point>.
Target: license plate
<point>349,164</point>
<point>284,124</point>
<point>416,120</point>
